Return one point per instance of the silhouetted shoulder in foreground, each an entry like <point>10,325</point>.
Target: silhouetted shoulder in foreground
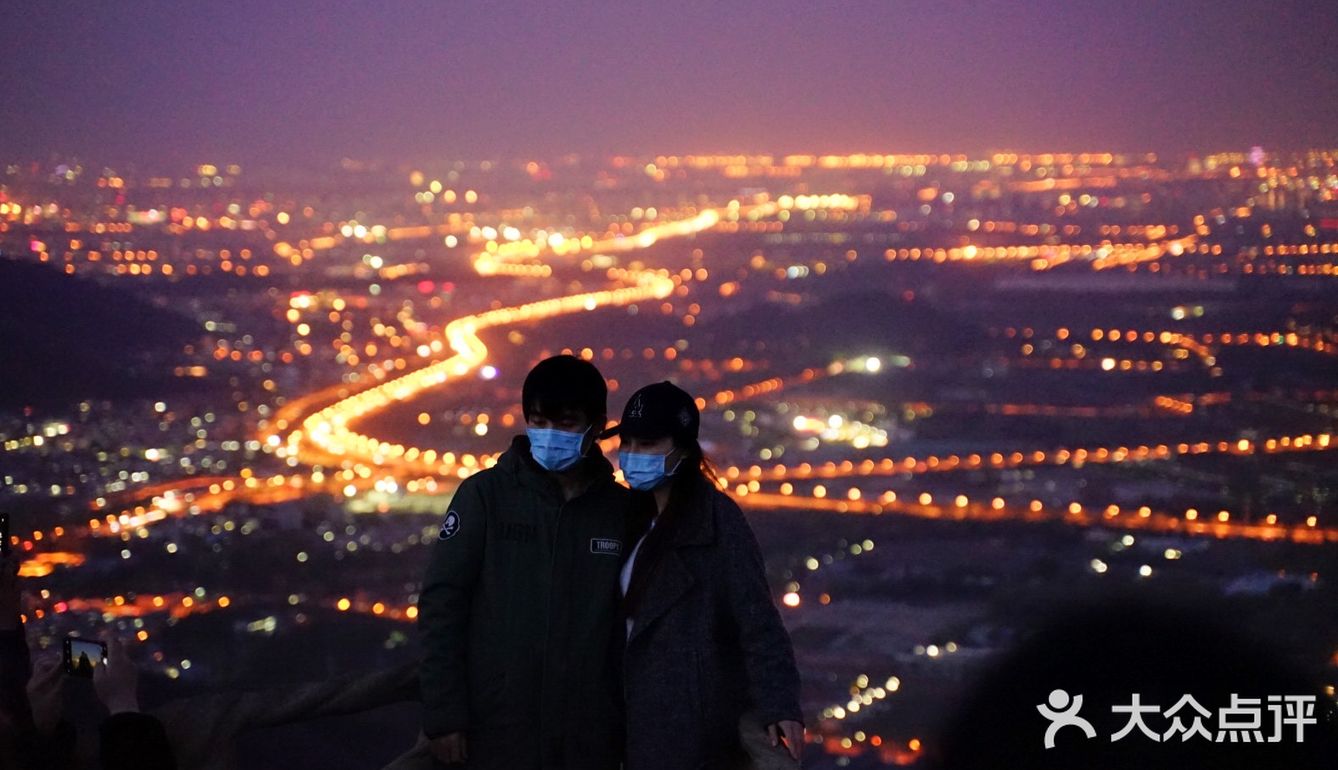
<point>1181,664</point>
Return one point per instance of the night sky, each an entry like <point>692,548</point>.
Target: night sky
<point>270,81</point>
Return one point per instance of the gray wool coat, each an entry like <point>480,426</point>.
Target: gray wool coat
<point>706,644</point>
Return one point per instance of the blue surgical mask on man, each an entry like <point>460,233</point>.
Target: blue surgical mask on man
<point>644,472</point>
<point>556,450</point>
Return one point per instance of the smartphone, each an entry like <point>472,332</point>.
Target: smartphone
<point>4,534</point>
<point>82,656</point>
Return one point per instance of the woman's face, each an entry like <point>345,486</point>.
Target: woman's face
<point>659,446</point>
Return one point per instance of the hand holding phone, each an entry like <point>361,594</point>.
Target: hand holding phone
<point>44,695</point>
<point>117,682</point>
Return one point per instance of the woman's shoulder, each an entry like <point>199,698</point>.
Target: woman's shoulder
<point>726,513</point>
<point>707,495</point>
<point>720,499</point>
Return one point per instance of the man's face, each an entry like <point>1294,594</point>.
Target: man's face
<point>569,420</point>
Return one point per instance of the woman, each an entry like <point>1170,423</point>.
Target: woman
<point>705,643</point>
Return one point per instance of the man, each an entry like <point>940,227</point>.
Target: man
<point>519,608</point>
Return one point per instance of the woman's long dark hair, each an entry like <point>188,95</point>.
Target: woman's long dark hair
<point>695,471</point>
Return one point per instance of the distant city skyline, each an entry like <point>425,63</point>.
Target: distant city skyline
<point>313,82</point>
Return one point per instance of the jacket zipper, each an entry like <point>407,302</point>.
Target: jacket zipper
<point>544,734</point>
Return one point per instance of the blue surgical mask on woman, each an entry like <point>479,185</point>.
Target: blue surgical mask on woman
<point>556,450</point>
<point>645,472</point>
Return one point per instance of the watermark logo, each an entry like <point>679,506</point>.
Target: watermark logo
<point>1062,711</point>
<point>1245,720</point>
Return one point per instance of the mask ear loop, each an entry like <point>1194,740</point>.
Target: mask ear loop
<point>674,469</point>
<point>594,440</point>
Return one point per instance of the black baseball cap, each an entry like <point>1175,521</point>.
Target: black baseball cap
<point>659,410</point>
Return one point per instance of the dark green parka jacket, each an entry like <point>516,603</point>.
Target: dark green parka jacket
<point>519,616</point>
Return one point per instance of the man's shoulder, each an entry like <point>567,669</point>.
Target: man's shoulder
<point>487,478</point>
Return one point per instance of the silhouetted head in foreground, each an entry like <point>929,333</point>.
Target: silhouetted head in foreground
<point>1105,654</point>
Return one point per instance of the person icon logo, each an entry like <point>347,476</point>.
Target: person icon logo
<point>1062,711</point>
<point>449,526</point>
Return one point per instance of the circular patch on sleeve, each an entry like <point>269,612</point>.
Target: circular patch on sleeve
<point>449,526</point>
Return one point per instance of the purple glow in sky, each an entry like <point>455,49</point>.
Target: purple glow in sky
<point>270,81</point>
